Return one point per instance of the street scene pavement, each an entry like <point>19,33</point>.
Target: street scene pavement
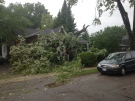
<point>95,87</point>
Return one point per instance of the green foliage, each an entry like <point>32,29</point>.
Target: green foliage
<point>10,20</point>
<point>66,76</point>
<point>85,36</point>
<point>65,18</point>
<point>31,11</point>
<point>70,66</point>
<point>42,55</point>
<point>101,54</point>
<point>93,56</point>
<point>29,58</point>
<point>72,69</point>
<point>34,13</point>
<point>19,16</point>
<point>88,58</point>
<point>46,21</point>
<point>67,69</point>
<point>108,39</point>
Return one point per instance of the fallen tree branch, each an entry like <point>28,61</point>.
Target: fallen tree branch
<point>82,30</point>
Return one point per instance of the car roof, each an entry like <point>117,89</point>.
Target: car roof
<point>124,52</point>
<point>121,52</point>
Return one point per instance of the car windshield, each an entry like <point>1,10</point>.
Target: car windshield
<point>116,56</point>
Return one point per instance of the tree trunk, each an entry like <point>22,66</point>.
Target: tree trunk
<point>127,25</point>
<point>133,29</point>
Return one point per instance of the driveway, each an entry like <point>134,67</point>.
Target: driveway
<point>95,87</point>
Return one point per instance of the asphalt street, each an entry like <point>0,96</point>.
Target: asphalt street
<point>95,87</point>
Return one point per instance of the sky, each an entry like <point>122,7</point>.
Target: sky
<point>84,13</point>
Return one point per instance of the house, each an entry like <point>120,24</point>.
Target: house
<point>31,35</point>
<point>124,45</point>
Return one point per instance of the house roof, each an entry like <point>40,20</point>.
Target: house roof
<point>45,31</point>
<point>25,32</point>
<point>58,29</point>
<point>126,37</point>
<point>82,41</point>
<point>32,32</point>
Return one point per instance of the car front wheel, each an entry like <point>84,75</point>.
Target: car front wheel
<point>123,71</point>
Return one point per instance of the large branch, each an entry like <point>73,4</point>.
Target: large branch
<point>82,30</point>
<point>124,17</point>
<point>134,20</point>
<point>126,23</point>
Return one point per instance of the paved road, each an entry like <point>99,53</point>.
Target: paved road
<point>95,87</point>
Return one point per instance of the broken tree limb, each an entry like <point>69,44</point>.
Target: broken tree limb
<point>82,30</point>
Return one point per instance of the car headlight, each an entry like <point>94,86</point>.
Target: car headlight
<point>99,65</point>
<point>114,66</point>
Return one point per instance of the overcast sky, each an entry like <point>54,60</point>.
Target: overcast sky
<point>84,13</point>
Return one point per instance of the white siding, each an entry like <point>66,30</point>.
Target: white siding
<point>4,50</point>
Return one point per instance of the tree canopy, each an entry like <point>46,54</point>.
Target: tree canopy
<point>46,21</point>
<point>20,16</point>
<point>10,20</point>
<point>31,11</point>
<point>65,18</point>
<point>109,38</point>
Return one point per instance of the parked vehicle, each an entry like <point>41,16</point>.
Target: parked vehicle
<point>119,62</point>
<point>1,60</point>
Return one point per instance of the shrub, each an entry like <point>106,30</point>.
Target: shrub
<point>101,54</point>
<point>88,58</point>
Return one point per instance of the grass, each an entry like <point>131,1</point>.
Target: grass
<point>63,73</point>
<point>64,77</point>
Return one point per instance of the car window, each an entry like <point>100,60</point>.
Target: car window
<point>128,56</point>
<point>116,56</point>
<point>133,54</point>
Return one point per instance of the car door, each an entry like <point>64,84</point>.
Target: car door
<point>133,59</point>
<point>128,61</point>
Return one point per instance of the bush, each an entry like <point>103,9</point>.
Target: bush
<point>101,54</point>
<point>88,58</point>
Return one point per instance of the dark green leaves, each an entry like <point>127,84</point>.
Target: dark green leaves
<point>109,38</point>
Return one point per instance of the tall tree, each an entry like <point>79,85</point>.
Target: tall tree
<point>109,38</point>
<point>31,11</point>
<point>47,21</point>
<point>57,20</point>
<point>110,5</point>
<point>70,20</point>
<point>10,20</point>
<point>65,18</point>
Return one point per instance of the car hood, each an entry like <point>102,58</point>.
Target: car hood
<point>115,62</point>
